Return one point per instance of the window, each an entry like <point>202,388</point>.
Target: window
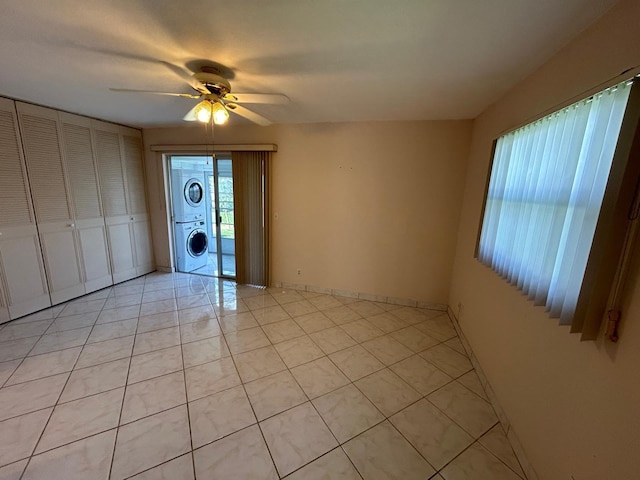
<point>554,190</point>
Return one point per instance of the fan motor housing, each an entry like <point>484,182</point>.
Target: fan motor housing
<point>215,83</point>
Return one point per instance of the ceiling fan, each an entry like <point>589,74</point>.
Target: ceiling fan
<point>216,98</point>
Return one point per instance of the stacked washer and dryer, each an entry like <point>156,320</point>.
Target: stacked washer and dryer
<point>190,215</point>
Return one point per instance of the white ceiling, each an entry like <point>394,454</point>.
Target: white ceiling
<point>337,60</point>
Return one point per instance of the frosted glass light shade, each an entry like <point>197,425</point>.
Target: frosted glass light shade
<point>203,111</point>
<point>220,114</point>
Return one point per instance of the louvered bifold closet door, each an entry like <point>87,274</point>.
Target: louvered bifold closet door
<point>137,199</point>
<point>91,230</point>
<point>41,139</point>
<point>23,285</point>
<point>114,200</point>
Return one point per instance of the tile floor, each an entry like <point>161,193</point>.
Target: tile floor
<point>177,376</point>
<point>211,268</point>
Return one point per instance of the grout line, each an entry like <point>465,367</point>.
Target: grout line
<point>339,447</point>
<point>477,441</point>
<point>35,447</point>
<point>253,410</point>
<point>165,462</point>
<point>27,355</point>
<point>186,397</point>
<point>496,456</point>
<point>124,395</point>
<point>74,441</point>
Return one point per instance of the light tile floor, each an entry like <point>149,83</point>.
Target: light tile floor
<point>177,376</point>
<point>211,268</point>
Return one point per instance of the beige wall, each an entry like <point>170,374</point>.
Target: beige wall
<point>575,406</point>
<point>364,207</point>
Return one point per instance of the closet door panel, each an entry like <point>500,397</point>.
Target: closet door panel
<point>123,261</point>
<point>83,180</point>
<point>15,201</point>
<point>23,270</point>
<point>110,170</point>
<point>120,239</point>
<point>143,244</point>
<point>41,141</point>
<point>49,189</point>
<point>80,166</point>
<point>58,245</point>
<point>23,285</point>
<point>134,169</point>
<point>92,236</point>
<point>137,199</point>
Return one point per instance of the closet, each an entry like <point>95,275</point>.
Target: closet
<point>73,210</point>
<point>121,171</point>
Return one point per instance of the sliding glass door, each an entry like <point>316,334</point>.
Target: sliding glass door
<point>220,215</point>
<point>210,221</point>
<point>222,230</point>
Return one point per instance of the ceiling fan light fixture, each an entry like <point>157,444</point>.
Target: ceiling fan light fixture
<point>203,111</point>
<point>220,113</point>
<point>214,98</point>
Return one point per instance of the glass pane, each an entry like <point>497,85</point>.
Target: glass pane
<point>191,177</point>
<point>213,242</point>
<point>218,247</point>
<point>227,232</point>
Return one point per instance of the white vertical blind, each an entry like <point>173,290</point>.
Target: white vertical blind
<point>546,189</point>
<point>251,216</point>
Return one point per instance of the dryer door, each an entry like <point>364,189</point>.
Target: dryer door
<point>197,243</point>
<point>194,192</point>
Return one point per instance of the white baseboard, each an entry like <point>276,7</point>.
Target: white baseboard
<point>363,296</point>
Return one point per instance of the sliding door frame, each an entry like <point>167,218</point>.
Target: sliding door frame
<point>165,152</point>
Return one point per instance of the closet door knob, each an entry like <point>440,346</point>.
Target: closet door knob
<point>71,225</point>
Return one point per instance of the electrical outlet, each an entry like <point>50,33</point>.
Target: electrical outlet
<point>299,271</point>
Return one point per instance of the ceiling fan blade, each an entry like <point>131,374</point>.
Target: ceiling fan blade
<point>187,77</point>
<point>191,115</point>
<point>248,114</point>
<point>129,90</point>
<point>269,98</point>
